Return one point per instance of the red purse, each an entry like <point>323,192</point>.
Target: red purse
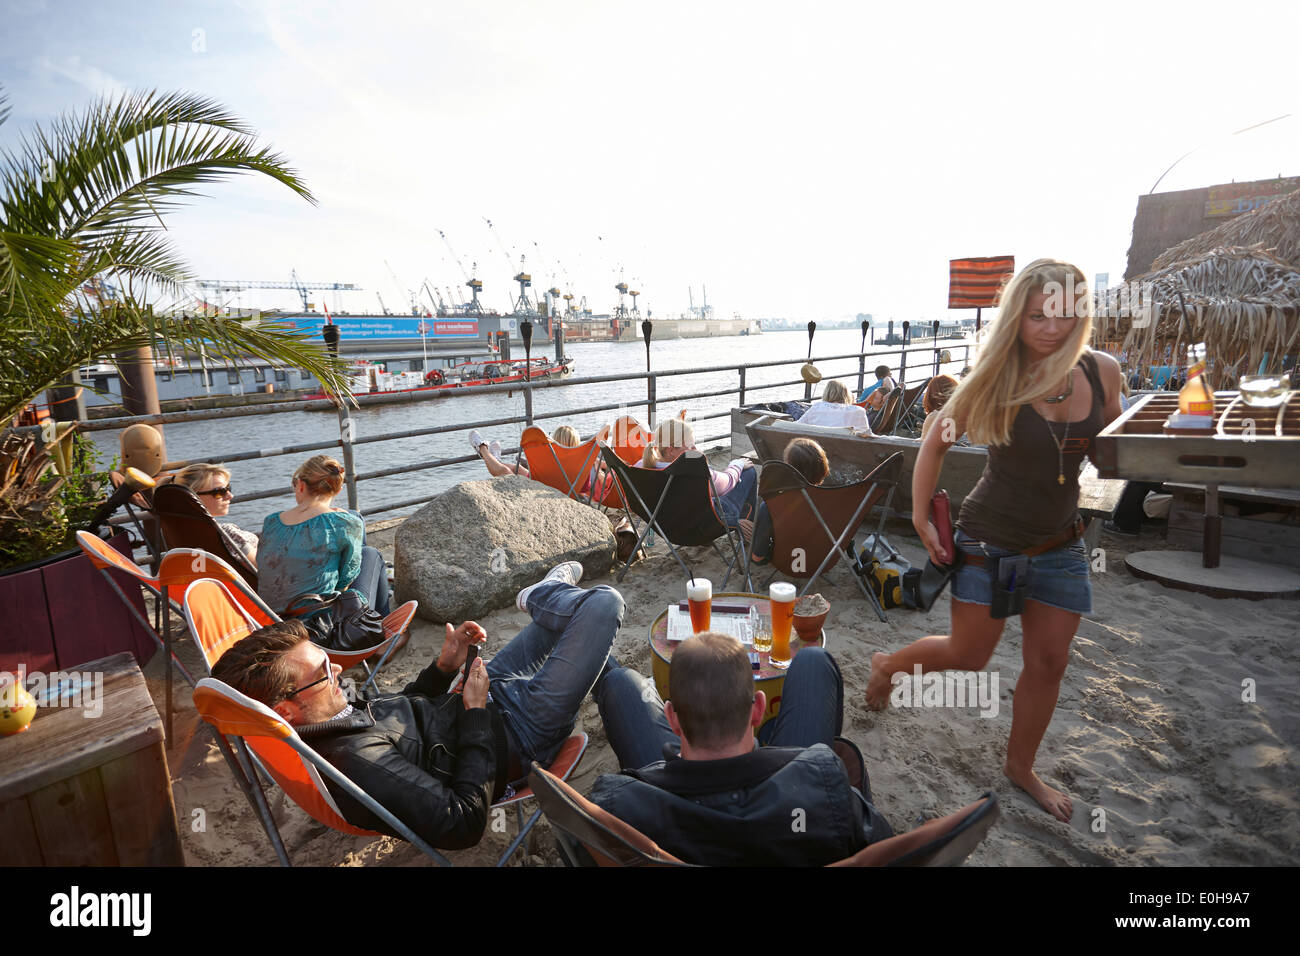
<point>941,515</point>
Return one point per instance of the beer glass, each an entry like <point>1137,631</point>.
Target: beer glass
<point>699,596</point>
<point>782,597</point>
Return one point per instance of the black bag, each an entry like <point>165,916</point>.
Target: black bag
<point>339,622</point>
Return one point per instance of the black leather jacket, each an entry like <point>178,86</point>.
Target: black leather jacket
<point>435,765</point>
<point>774,806</point>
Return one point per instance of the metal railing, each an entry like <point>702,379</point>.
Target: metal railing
<point>348,439</point>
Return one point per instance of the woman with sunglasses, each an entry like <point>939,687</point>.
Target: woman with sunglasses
<point>212,485</point>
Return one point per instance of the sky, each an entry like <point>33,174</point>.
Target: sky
<point>807,160</point>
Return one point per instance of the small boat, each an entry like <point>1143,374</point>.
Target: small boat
<point>368,379</point>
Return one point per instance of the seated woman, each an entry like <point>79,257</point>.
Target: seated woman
<point>735,485</point>
<point>491,453</point>
<point>809,459</point>
<point>935,397</point>
<point>212,485</point>
<point>836,410</point>
<point>315,548</point>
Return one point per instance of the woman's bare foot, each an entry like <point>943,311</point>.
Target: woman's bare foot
<point>1053,801</point>
<point>879,684</point>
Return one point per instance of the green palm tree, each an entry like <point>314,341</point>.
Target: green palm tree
<point>82,201</point>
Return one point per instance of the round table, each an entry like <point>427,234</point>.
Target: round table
<point>770,680</point>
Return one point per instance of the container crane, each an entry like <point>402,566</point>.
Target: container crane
<point>241,285</point>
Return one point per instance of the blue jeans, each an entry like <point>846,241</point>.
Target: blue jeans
<point>739,501</point>
<point>812,711</point>
<point>372,580</point>
<point>540,678</point>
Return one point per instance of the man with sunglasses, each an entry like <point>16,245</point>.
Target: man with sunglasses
<point>438,760</point>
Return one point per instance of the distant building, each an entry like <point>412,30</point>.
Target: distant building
<point>1166,219</point>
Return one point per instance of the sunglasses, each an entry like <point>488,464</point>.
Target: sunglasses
<point>226,492</point>
<point>329,677</point>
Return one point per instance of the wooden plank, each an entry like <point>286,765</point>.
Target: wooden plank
<point>1281,496</point>
<point>18,840</point>
<point>66,741</point>
<point>27,638</point>
<point>1098,495</point>
<point>138,794</point>
<point>72,822</point>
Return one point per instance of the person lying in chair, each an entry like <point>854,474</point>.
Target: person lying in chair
<point>728,800</point>
<point>438,761</point>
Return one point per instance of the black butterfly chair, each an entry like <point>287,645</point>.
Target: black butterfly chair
<point>681,505</point>
<point>588,834</point>
<point>187,524</point>
<point>811,524</point>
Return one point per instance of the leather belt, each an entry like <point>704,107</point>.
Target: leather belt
<point>1069,534</point>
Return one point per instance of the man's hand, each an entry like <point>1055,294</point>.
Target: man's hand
<point>746,529</point>
<point>456,644</point>
<point>475,690</point>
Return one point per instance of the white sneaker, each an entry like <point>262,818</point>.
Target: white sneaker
<point>495,448</point>
<point>475,440</point>
<point>570,572</point>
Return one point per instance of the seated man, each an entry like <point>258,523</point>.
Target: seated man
<point>884,383</point>
<point>436,760</point>
<point>726,800</point>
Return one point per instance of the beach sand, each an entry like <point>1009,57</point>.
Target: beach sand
<point>1165,761</point>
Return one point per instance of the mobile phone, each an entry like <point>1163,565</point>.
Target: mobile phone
<point>470,656</point>
<point>1011,587</point>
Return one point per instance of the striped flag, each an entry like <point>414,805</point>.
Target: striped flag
<point>975,283</point>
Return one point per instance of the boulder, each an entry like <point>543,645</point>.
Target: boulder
<point>469,550</point>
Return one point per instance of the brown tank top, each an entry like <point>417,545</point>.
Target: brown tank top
<point>1018,502</point>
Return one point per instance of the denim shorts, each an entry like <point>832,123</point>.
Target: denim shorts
<point>1059,578</point>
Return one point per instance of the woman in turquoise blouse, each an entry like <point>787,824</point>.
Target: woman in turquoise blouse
<point>315,548</point>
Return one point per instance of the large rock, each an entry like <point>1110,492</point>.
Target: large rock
<point>470,550</point>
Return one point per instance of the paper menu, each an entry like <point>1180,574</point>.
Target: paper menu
<point>739,626</point>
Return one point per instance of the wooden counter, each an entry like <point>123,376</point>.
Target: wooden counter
<point>83,790</point>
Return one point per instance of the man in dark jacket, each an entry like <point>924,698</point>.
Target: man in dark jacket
<point>436,760</point>
<point>726,800</point>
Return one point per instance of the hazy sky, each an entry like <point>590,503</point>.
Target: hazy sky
<point>801,159</point>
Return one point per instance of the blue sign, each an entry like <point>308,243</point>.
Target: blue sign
<point>354,328</point>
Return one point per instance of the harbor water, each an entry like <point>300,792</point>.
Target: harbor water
<point>208,439</point>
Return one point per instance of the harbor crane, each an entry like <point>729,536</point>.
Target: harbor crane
<point>241,285</point>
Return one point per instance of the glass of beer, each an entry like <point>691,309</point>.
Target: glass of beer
<point>699,596</point>
<point>782,597</point>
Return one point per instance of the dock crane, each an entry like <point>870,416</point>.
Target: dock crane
<point>240,285</point>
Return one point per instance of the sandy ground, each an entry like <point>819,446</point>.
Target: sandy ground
<point>1166,763</point>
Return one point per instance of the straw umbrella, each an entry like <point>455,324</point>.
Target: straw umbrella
<point>1273,228</point>
<point>1242,302</point>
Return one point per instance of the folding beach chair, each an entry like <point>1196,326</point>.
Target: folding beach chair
<point>811,524</point>
<point>303,785</point>
<point>681,505</point>
<point>212,606</point>
<point>296,767</point>
<point>187,524</point>
<point>105,558</point>
<point>883,423</point>
<point>588,834</point>
<point>627,437</point>
<point>568,468</point>
<point>911,414</point>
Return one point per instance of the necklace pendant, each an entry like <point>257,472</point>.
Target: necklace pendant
<point>1060,479</point>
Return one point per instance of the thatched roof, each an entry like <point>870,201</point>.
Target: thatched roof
<point>1242,302</point>
<point>1274,228</point>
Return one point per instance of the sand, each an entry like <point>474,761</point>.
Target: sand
<point>1175,733</point>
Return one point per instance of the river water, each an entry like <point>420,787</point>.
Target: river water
<point>220,437</point>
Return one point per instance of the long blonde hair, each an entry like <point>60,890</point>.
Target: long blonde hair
<point>670,433</point>
<point>987,401</point>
